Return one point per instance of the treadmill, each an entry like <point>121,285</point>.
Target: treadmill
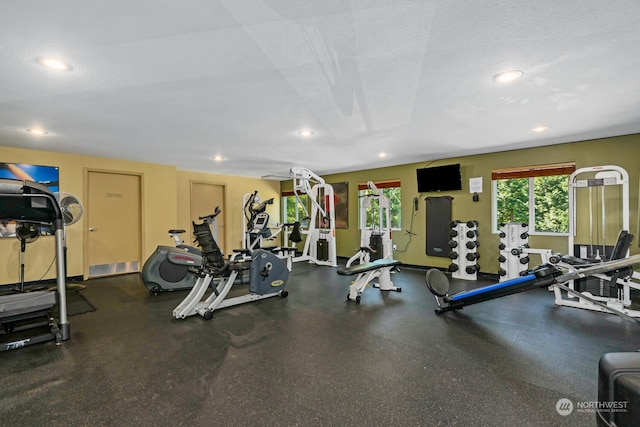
<point>25,318</point>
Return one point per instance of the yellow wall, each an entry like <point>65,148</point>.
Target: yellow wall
<point>166,195</point>
<point>166,191</point>
<point>620,151</point>
<point>235,189</point>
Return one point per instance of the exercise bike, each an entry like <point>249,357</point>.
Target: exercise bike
<point>168,268</point>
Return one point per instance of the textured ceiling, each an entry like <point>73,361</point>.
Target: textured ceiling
<point>177,82</point>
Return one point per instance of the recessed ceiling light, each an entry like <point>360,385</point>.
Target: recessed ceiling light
<point>218,158</point>
<point>507,76</point>
<point>55,64</point>
<point>539,129</point>
<point>305,133</point>
<point>382,155</point>
<point>37,132</point>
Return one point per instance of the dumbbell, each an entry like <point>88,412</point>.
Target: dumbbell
<point>502,234</point>
<point>472,244</point>
<point>472,224</point>
<point>502,272</point>
<point>453,267</point>
<point>453,254</point>
<point>472,256</point>
<point>453,244</point>
<point>502,246</point>
<point>453,233</point>
<point>502,258</point>
<point>454,223</point>
<point>524,260</point>
<point>472,269</point>
<point>524,235</point>
<point>472,233</point>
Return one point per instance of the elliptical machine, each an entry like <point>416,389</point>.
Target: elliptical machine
<point>256,227</point>
<point>168,268</point>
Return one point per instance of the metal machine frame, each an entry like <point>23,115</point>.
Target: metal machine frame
<point>367,229</point>
<point>322,221</point>
<point>599,178</point>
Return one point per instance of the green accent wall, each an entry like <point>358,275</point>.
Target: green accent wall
<point>623,151</point>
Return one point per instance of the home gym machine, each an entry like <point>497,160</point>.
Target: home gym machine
<point>168,268</point>
<point>320,243</point>
<point>25,318</point>
<point>375,227</point>
<point>542,276</point>
<point>603,192</point>
<point>375,245</point>
<point>268,278</point>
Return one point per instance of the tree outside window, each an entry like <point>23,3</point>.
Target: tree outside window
<point>538,196</point>
<point>395,207</point>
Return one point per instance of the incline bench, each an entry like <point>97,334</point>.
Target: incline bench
<point>380,268</point>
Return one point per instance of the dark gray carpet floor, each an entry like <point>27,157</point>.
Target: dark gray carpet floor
<point>313,359</point>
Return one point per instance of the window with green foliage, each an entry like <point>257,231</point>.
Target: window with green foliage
<point>292,210</point>
<point>537,195</point>
<point>391,190</point>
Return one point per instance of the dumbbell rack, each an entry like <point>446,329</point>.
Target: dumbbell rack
<point>464,250</point>
<point>514,240</point>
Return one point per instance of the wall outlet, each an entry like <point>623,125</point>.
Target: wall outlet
<point>395,247</point>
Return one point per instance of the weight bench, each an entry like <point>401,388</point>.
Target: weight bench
<point>542,276</point>
<point>438,284</point>
<point>366,272</point>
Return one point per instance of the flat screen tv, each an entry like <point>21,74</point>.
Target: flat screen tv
<point>439,178</point>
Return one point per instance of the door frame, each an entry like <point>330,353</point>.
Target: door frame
<point>85,232</point>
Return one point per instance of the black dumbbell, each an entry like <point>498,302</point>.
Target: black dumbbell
<point>453,254</point>
<point>472,244</point>
<point>471,269</point>
<point>502,272</point>
<point>524,260</point>
<point>502,258</point>
<point>472,256</point>
<point>453,244</point>
<point>453,267</point>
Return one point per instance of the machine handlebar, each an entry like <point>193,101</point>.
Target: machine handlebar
<point>215,213</point>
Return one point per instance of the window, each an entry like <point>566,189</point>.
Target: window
<point>390,189</point>
<point>293,211</point>
<point>536,195</point>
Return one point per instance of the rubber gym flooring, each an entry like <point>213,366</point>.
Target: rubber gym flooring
<point>313,359</point>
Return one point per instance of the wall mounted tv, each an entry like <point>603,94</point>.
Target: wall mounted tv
<point>439,178</point>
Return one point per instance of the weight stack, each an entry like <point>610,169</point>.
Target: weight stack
<point>514,240</point>
<point>464,250</point>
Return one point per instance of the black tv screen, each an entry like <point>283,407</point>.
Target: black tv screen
<point>439,178</point>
